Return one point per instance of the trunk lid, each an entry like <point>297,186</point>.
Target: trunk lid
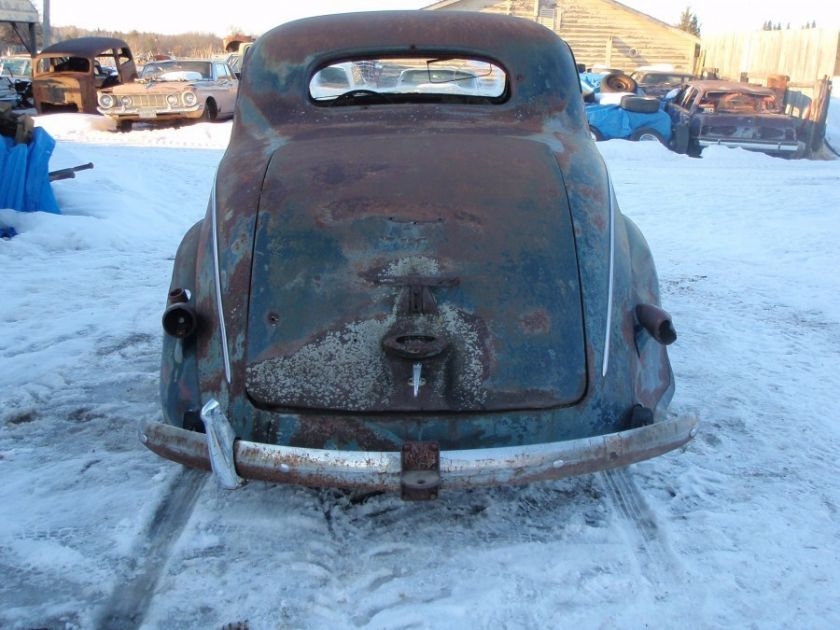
<point>415,273</point>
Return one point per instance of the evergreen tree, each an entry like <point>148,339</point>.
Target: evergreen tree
<point>689,22</point>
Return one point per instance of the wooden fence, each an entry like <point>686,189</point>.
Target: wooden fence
<point>803,55</point>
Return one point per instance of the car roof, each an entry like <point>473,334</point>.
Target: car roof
<point>83,46</point>
<point>539,65</point>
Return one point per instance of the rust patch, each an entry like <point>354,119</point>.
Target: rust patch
<point>536,322</point>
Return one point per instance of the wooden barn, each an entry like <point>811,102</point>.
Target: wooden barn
<point>601,32</point>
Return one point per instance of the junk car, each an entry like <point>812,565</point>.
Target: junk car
<point>183,89</point>
<point>714,112</point>
<point>659,81</point>
<point>413,291</point>
<point>67,75</point>
<point>16,80</point>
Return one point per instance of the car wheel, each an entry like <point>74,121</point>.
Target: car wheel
<point>595,134</point>
<point>640,104</point>
<point>210,110</point>
<point>618,82</point>
<point>646,134</point>
<point>124,125</point>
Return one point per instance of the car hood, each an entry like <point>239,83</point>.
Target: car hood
<point>157,87</point>
<point>418,272</point>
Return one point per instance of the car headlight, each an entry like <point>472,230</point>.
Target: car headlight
<point>126,101</point>
<point>172,99</point>
<point>106,101</point>
<point>189,98</point>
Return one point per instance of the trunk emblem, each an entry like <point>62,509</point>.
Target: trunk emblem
<point>416,381</point>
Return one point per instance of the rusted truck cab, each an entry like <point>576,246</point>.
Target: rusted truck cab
<point>66,75</point>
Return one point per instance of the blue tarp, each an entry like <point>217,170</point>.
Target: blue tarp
<point>25,174</point>
<point>593,79</point>
<point>614,122</point>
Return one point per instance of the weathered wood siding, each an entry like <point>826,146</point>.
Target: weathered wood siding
<point>609,33</point>
<point>600,31</point>
<point>804,55</point>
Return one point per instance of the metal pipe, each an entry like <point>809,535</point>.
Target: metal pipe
<point>657,322</point>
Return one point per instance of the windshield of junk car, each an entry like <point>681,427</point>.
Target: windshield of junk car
<point>662,79</point>
<point>175,71</point>
<point>408,79</point>
<point>15,67</point>
<point>738,103</point>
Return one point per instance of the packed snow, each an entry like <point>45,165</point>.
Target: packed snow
<point>741,528</point>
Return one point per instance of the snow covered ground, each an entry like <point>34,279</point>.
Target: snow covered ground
<point>741,529</point>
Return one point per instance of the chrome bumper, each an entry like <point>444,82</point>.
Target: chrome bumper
<point>374,470</point>
<point>751,145</point>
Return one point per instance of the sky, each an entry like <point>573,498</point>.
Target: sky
<point>258,16</point>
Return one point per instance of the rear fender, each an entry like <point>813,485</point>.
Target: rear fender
<point>653,379</point>
<point>179,386</point>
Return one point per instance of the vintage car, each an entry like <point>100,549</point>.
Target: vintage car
<point>713,112</point>
<point>182,89</point>
<point>413,291</point>
<point>67,75</point>
<point>658,82</point>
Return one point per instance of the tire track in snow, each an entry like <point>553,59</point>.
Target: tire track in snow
<point>658,562</point>
<point>128,603</point>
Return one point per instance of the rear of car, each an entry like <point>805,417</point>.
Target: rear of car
<point>413,290</point>
<point>735,115</point>
<point>749,118</point>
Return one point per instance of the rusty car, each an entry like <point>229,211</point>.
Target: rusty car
<point>658,81</point>
<point>413,291</point>
<point>66,75</point>
<point>715,112</point>
<point>172,90</point>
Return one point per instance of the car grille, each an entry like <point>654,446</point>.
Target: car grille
<point>148,100</point>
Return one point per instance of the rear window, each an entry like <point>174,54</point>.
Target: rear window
<point>413,79</point>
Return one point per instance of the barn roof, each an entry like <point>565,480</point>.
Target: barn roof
<point>18,11</point>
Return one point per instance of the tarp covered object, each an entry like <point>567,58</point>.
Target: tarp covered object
<point>25,174</point>
<point>614,122</point>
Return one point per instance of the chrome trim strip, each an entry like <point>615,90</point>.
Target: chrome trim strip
<point>218,281</point>
<point>382,470</point>
<point>749,144</point>
<point>610,285</point>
